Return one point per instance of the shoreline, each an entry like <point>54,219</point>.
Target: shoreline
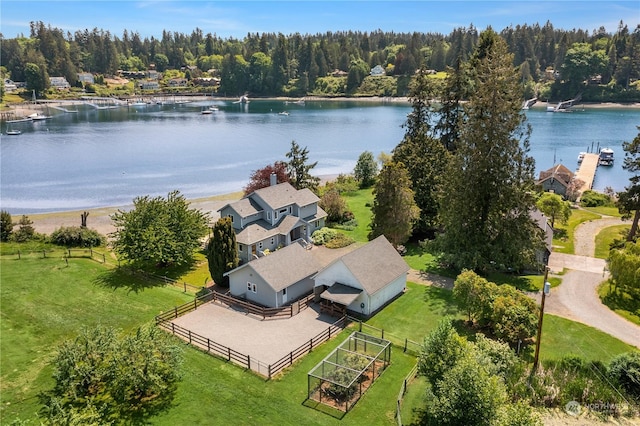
<point>100,217</point>
<point>26,108</point>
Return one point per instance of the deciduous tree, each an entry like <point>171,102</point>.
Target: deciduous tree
<point>158,231</point>
<point>104,378</point>
<point>554,207</point>
<point>366,169</point>
<point>222,251</point>
<point>394,209</point>
<point>261,178</point>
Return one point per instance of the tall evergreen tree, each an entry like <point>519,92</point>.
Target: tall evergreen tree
<point>486,193</point>
<point>299,170</point>
<point>222,251</point>
<point>629,200</point>
<point>424,156</point>
<point>394,209</point>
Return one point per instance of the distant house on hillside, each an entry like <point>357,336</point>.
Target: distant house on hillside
<point>149,85</point>
<point>556,179</point>
<point>86,77</point>
<point>377,71</point>
<point>178,82</point>
<point>59,83</point>
<point>272,217</point>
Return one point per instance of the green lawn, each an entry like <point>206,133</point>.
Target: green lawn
<point>606,237</point>
<point>605,211</point>
<point>621,303</point>
<point>357,203</point>
<point>563,239</point>
<point>44,302</point>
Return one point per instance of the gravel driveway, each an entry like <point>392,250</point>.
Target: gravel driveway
<point>577,298</point>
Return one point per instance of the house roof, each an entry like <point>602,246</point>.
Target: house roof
<point>284,267</point>
<point>284,194</point>
<point>541,221</point>
<point>340,293</point>
<point>256,231</point>
<point>558,172</point>
<point>244,207</point>
<point>375,264</point>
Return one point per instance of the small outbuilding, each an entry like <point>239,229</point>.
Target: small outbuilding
<point>556,179</point>
<point>362,281</point>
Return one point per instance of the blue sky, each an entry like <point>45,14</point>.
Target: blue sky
<point>237,18</point>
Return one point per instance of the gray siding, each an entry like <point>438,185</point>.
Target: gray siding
<point>264,294</point>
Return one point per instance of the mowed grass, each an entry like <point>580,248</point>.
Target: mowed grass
<point>621,302</point>
<point>606,237</point>
<point>563,239</point>
<point>357,203</point>
<point>46,301</point>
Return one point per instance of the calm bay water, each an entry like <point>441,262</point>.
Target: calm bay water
<point>108,157</point>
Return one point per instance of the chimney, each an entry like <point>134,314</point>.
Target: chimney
<point>273,179</point>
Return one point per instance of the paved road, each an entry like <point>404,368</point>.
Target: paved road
<point>576,298</point>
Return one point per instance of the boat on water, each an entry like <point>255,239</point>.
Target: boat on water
<point>606,157</point>
<point>206,111</point>
<point>581,156</point>
<point>36,116</point>
<point>283,113</point>
<point>20,120</point>
<point>214,108</point>
<point>13,132</point>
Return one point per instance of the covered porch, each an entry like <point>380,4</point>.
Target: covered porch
<point>335,300</point>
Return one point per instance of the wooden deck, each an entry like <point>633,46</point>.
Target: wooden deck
<point>587,171</point>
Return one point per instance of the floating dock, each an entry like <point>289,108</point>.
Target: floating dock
<point>587,171</point>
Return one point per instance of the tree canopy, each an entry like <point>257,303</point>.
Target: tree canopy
<point>485,199</point>
<point>222,251</point>
<point>629,200</point>
<point>158,231</point>
<point>554,207</point>
<point>366,169</point>
<point>299,169</point>
<point>261,178</point>
<point>102,377</point>
<point>394,209</point>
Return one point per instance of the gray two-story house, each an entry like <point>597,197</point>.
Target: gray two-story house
<point>273,217</point>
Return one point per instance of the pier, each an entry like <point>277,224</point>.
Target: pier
<point>587,171</point>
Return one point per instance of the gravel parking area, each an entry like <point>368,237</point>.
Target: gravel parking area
<point>264,340</point>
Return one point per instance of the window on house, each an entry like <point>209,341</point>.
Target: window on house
<point>273,240</point>
<point>240,248</point>
<point>289,209</point>
<point>268,215</point>
<point>282,211</point>
<point>275,215</point>
<point>230,216</point>
<point>251,287</point>
<point>260,244</point>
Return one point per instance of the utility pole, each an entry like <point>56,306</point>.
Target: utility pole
<point>545,293</point>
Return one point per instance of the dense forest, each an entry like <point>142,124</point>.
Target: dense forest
<point>553,63</point>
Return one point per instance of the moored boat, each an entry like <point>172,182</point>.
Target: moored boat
<point>36,116</point>
<point>606,157</point>
<point>13,132</point>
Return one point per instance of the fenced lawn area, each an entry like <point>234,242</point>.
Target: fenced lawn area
<point>45,301</point>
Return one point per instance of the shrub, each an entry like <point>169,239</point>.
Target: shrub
<point>323,235</point>
<point>26,231</point>
<point>339,241</point>
<point>625,369</point>
<point>595,199</point>
<point>75,236</point>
